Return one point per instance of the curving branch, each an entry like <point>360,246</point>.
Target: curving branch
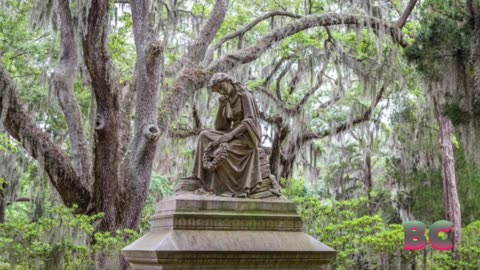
<point>295,109</point>
<point>21,126</point>
<point>249,54</point>
<point>62,84</point>
<point>246,28</point>
<point>276,68</point>
<point>408,10</point>
<point>197,49</point>
<point>295,79</point>
<point>188,81</point>
<point>279,81</point>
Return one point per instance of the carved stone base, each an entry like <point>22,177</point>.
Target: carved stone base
<point>210,232</point>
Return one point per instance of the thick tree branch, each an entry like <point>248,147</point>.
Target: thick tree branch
<point>408,10</point>
<point>136,172</point>
<point>197,49</point>
<point>62,83</point>
<point>249,54</point>
<point>21,126</point>
<point>470,8</point>
<point>184,86</point>
<point>242,31</point>
<point>105,84</point>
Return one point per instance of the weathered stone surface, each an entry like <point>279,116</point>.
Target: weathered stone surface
<point>210,232</point>
<point>193,212</point>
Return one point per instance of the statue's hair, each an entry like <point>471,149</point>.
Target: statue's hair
<point>223,77</point>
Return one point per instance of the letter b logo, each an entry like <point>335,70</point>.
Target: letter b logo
<point>415,235</point>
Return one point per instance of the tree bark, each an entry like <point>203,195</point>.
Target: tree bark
<point>276,155</point>
<point>368,179</point>
<point>2,203</point>
<point>21,126</point>
<point>138,166</point>
<point>120,177</point>
<point>251,53</point>
<point>408,10</point>
<point>107,127</point>
<point>62,84</point>
<point>452,203</point>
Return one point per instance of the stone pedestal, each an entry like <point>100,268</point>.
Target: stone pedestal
<point>209,232</point>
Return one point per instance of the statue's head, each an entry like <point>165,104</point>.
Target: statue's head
<point>221,83</point>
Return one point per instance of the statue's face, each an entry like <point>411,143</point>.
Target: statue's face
<point>223,88</point>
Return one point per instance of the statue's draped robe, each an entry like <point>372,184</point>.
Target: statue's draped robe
<point>239,173</point>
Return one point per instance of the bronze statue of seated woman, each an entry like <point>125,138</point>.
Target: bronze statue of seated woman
<point>227,160</point>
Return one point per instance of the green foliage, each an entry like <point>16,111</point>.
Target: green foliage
<point>469,251</point>
<point>3,182</point>
<point>302,40</point>
<point>25,53</point>
<point>346,227</point>
<point>468,182</point>
<point>367,242</point>
<point>428,190</point>
<point>159,189</point>
<point>59,235</point>
<point>122,47</point>
<point>84,98</point>
<point>438,39</point>
<point>6,144</point>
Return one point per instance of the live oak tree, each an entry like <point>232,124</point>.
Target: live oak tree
<point>110,171</point>
<point>292,53</point>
